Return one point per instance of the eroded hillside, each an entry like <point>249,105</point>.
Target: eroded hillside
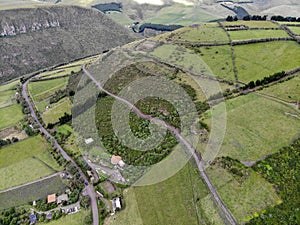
<point>31,39</point>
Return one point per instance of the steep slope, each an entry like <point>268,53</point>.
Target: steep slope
<point>35,38</point>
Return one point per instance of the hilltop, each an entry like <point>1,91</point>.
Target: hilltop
<point>36,38</point>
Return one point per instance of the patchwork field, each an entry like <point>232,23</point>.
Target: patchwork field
<point>175,201</point>
<point>28,193</point>
<point>256,61</point>
<point>257,34</point>
<point>26,161</point>
<point>252,132</point>
<point>288,90</point>
<point>243,198</point>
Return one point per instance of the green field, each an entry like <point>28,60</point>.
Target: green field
<point>10,115</point>
<point>56,111</point>
<point>177,200</point>
<point>44,89</point>
<point>25,161</point>
<point>32,192</point>
<point>205,33</point>
<point>295,30</point>
<point>256,61</point>
<point>179,14</point>
<point>288,90</point>
<point>243,198</point>
<point>252,24</point>
<point>7,94</point>
<point>257,34</point>
<point>257,127</point>
<point>74,219</point>
<point>219,60</point>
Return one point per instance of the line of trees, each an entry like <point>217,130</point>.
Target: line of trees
<point>247,18</point>
<point>265,80</point>
<point>285,19</point>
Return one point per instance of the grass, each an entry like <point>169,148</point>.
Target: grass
<point>44,89</point>
<point>205,33</point>
<point>288,90</point>
<point>6,98</point>
<point>295,30</point>
<point>10,115</point>
<point>56,111</point>
<point>177,14</point>
<point>73,219</point>
<point>252,24</point>
<point>25,161</point>
<point>219,60</point>
<point>178,200</point>
<point>26,194</point>
<point>256,34</point>
<point>257,127</point>
<point>245,198</point>
<point>256,61</point>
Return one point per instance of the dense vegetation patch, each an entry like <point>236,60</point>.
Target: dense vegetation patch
<point>283,170</point>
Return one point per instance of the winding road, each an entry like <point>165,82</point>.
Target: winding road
<point>229,218</point>
<point>89,188</point>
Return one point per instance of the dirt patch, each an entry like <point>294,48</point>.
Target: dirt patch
<point>11,132</point>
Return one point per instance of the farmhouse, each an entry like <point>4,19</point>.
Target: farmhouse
<point>116,203</point>
<point>62,198</point>
<point>117,160</point>
<point>51,198</point>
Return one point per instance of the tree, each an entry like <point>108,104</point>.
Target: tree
<point>229,18</point>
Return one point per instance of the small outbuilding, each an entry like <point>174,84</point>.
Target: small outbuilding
<point>117,160</point>
<point>51,198</point>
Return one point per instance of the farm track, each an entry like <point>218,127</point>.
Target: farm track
<point>228,217</point>
<point>89,188</point>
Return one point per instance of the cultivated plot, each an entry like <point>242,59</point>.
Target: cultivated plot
<point>257,34</point>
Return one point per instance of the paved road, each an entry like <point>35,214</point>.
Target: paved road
<point>89,189</point>
<point>229,217</point>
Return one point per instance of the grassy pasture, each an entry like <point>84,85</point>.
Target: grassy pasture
<point>219,59</point>
<point>178,199</point>
<point>25,161</point>
<point>252,24</point>
<point>288,90</point>
<point>6,98</point>
<point>256,61</point>
<point>44,89</point>
<point>73,219</point>
<point>256,34</point>
<point>244,198</point>
<point>257,127</point>
<point>28,193</point>
<point>10,115</point>
<point>56,111</point>
<point>205,33</point>
<point>295,30</point>
<point>177,14</point>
